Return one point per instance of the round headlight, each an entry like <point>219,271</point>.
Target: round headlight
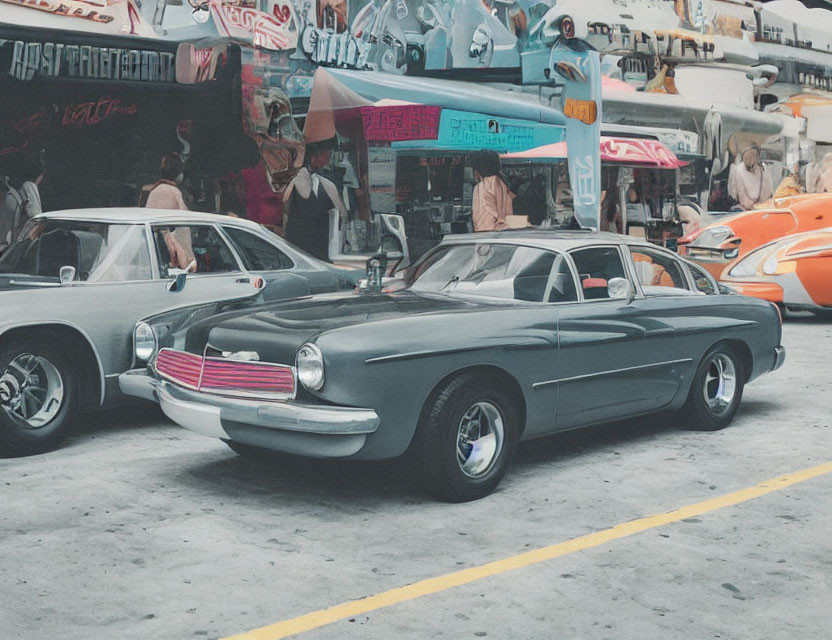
<point>310,366</point>
<point>145,341</point>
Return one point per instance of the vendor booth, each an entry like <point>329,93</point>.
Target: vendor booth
<point>641,173</point>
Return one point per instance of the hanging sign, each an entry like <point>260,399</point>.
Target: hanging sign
<point>28,60</point>
<point>400,122</point>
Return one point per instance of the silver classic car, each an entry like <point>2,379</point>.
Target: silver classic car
<point>74,284</point>
<point>491,339</point>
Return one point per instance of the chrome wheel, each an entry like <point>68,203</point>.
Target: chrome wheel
<point>31,391</point>
<point>479,439</point>
<point>720,386</point>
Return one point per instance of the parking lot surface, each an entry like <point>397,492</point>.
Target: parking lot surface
<point>140,529</point>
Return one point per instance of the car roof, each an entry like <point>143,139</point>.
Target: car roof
<point>140,215</point>
<point>547,238</point>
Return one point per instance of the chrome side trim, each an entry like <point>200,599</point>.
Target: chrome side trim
<point>412,355</point>
<point>549,383</point>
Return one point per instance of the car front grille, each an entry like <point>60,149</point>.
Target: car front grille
<point>226,376</point>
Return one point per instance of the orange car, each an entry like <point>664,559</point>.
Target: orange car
<point>794,272</point>
<point>722,243</point>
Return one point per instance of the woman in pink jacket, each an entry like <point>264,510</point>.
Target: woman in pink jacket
<point>492,199</point>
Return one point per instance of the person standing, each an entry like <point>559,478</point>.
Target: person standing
<point>20,200</point>
<point>750,183</point>
<point>165,192</point>
<point>492,199</point>
<point>307,202</point>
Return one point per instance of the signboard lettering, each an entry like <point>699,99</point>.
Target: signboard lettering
<point>56,60</point>
<point>405,122</point>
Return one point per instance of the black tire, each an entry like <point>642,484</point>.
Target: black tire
<point>47,429</point>
<point>710,413</point>
<point>438,461</point>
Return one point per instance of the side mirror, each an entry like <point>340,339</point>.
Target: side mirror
<point>178,283</point>
<point>621,289</point>
<point>66,275</point>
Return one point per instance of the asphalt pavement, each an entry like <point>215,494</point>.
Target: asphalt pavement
<point>140,529</point>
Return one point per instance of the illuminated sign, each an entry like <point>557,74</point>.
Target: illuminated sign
<point>56,60</point>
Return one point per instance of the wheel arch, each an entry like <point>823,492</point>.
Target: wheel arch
<point>485,369</point>
<point>744,351</point>
<point>93,384</point>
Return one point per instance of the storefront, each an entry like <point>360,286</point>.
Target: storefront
<point>99,111</point>
<point>409,151</point>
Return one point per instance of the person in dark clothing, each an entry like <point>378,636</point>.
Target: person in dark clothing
<point>308,200</point>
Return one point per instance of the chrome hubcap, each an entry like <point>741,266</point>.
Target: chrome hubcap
<point>31,391</point>
<point>720,383</point>
<point>479,439</point>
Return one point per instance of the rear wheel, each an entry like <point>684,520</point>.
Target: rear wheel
<point>716,391</point>
<point>466,438</point>
<point>38,403</point>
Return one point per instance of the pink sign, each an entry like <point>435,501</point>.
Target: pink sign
<point>401,122</point>
<point>640,151</point>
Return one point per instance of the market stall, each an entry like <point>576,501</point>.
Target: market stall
<point>641,173</point>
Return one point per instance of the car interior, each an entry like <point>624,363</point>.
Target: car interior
<point>596,267</point>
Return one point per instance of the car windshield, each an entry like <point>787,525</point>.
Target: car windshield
<point>99,252</point>
<point>503,271</point>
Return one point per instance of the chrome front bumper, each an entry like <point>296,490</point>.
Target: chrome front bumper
<point>779,357</point>
<point>314,430</point>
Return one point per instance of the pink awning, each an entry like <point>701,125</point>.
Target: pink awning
<point>641,151</point>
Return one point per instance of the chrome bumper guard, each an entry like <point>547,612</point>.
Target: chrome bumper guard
<point>779,357</point>
<point>205,413</point>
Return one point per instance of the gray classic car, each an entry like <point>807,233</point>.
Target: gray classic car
<point>492,339</point>
<point>74,284</point>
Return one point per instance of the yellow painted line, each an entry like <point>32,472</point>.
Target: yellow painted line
<point>317,619</point>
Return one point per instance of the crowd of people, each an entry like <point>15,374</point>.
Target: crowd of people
<point>304,206</point>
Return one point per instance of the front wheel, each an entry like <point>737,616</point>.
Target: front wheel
<point>716,390</point>
<point>37,397</point>
<point>466,438</point>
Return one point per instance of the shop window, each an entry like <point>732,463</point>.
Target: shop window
<point>596,267</point>
<point>659,274</point>
<point>194,248</point>
<point>257,254</point>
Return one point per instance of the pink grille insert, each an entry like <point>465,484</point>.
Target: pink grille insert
<point>225,376</point>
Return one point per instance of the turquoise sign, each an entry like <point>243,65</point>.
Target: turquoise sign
<point>468,131</point>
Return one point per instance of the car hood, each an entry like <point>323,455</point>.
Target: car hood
<point>275,331</point>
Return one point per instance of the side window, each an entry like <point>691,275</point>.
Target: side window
<point>596,267</point>
<point>561,286</point>
<point>194,248</point>
<point>258,254</point>
<point>702,279</point>
<point>658,273</point>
